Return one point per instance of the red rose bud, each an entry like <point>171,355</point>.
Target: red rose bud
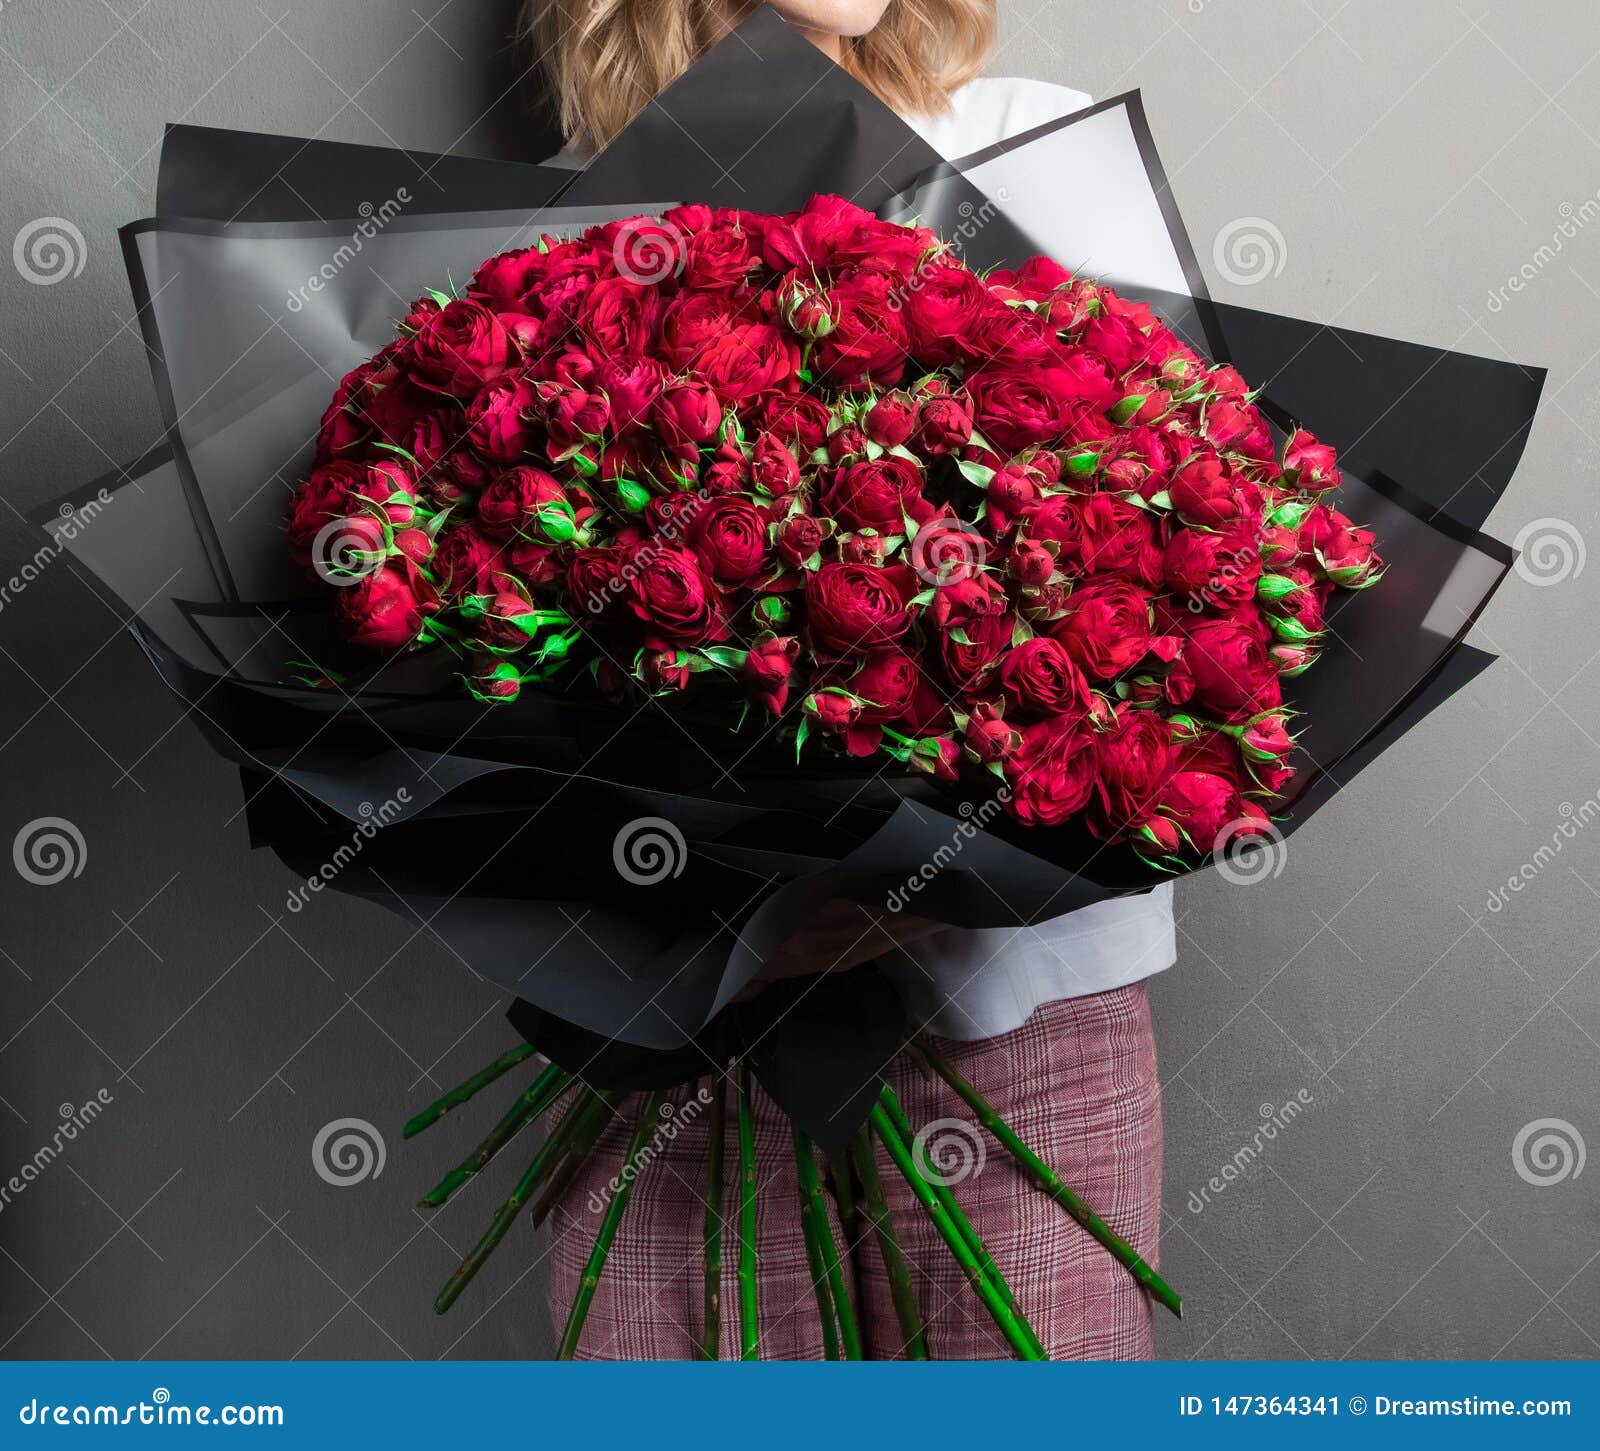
<point>943,423</point>
<point>415,544</point>
<point>863,547</point>
<point>1158,833</point>
<point>664,671</point>
<point>1031,564</point>
<point>1309,465</point>
<point>460,348</point>
<point>834,710</point>
<point>807,310</point>
<point>686,415</point>
<point>768,670</point>
<point>773,467</point>
<point>1266,738</point>
<point>936,756</point>
<point>495,684</point>
<point>528,502</point>
<point>771,612</point>
<point>891,420</point>
<point>799,538</point>
<point>1292,659</point>
<point>847,441</point>
<point>1200,804</point>
<point>1011,490</point>
<point>988,738</point>
<point>1203,493</point>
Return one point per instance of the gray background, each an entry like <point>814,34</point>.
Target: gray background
<point>1409,159</point>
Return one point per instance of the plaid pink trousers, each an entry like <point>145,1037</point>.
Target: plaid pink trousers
<point>1077,1082</point>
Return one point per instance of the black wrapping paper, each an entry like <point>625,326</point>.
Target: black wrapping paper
<point>507,837</point>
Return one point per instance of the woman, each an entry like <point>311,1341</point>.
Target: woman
<point>1052,1022</point>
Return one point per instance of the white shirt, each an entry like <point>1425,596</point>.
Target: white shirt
<point>978,984</point>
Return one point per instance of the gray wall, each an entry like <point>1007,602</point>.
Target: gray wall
<point>1402,164</point>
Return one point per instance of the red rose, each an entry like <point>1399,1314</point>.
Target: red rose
<point>1106,627</point>
<point>853,607</point>
<point>465,562</point>
<point>1053,774</point>
<point>1039,675</point>
<point>325,496</point>
<point>768,670</point>
<point>1015,408</point>
<point>1140,460</point>
<point>973,623</point>
<point>685,415</point>
<point>1233,673</point>
<point>459,349</point>
<point>673,597</point>
<point>890,421</point>
<point>772,467</point>
<point>1118,538</point>
<point>498,419</point>
<point>944,422</point>
<point>747,360</point>
<point>595,580</point>
<point>730,536</point>
<point>876,494</point>
<point>1204,492</point>
<point>717,259</point>
<point>629,389</point>
<point>802,417</point>
<point>384,610</point>
<point>867,343</point>
<point>529,502</point>
<point>800,536</point>
<point>618,317</point>
<point>1345,553</point>
<point>1212,569</point>
<point>1135,761</point>
<point>941,307</point>
<point>989,737</point>
<point>885,684</point>
<point>1202,803</point>
<point>1308,464</point>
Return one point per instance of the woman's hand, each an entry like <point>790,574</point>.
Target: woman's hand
<point>841,936</point>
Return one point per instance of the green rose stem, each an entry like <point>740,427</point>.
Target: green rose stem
<point>716,1137</point>
<point>608,1229</point>
<point>1049,1182</point>
<point>545,1090</point>
<point>913,1339</point>
<point>811,1187</point>
<point>942,1192</point>
<point>823,1281</point>
<point>549,1154</point>
<point>584,1138</point>
<point>819,1279</point>
<point>994,1302</point>
<point>749,1333</point>
<point>463,1091</point>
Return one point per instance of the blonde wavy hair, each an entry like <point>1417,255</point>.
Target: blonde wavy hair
<point>607,59</point>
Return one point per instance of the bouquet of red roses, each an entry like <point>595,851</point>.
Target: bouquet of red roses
<point>815,472</point>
